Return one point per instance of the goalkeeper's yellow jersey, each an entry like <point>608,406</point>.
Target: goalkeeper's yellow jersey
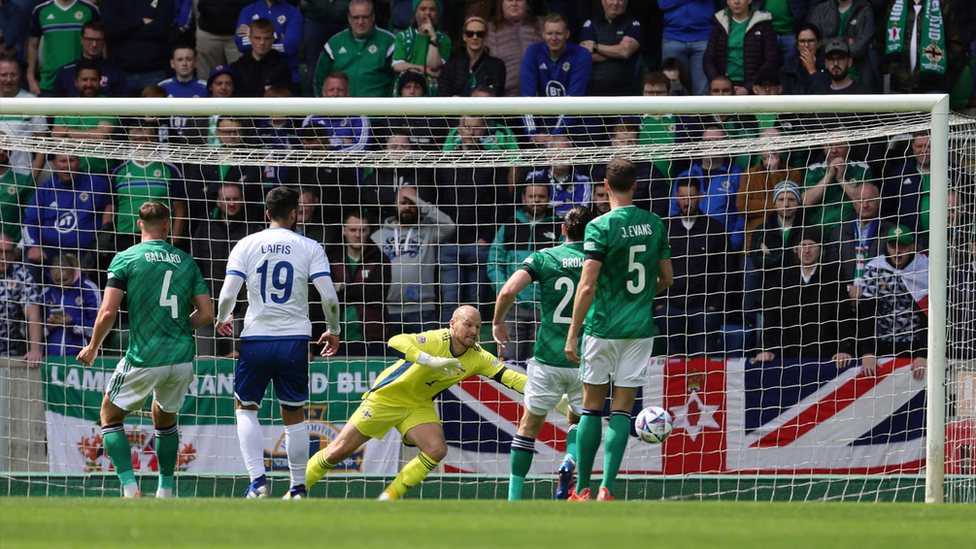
<point>407,382</point>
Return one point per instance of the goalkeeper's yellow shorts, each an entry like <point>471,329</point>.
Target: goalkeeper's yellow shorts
<point>376,416</point>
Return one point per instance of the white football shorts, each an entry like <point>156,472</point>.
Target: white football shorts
<point>622,362</point>
<point>546,386</point>
<point>130,386</point>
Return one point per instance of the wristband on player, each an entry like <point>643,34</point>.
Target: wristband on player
<point>423,358</point>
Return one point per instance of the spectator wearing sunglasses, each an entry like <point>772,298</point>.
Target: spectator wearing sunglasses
<point>474,66</point>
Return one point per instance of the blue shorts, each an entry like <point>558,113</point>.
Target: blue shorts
<point>282,361</point>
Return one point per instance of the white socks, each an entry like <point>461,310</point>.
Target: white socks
<point>296,444</point>
<point>252,443</point>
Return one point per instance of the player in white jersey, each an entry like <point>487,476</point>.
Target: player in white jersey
<point>277,265</point>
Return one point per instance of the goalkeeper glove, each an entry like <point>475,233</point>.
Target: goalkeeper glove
<point>445,366</point>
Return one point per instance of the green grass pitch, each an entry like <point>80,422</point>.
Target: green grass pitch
<point>427,524</point>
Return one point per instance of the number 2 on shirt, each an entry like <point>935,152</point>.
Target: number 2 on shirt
<point>276,282</point>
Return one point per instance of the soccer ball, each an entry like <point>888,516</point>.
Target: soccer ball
<point>653,425</point>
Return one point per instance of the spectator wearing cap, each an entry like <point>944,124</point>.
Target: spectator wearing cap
<point>346,133</point>
<point>756,192</point>
<point>773,244</point>
<point>808,315</point>
<point>837,58</point>
<point>287,32</point>
<point>855,242</point>
<point>852,22</point>
<point>554,68</point>
<point>138,39</point>
<point>687,27</point>
<point>614,40</point>
<point>511,32</point>
<point>472,66</point>
<point>363,51</point>
<point>829,185</point>
<point>113,79</point>
<point>202,129</point>
<point>807,71</point>
<point>421,46</point>
<point>261,66</point>
<point>216,33</point>
<point>183,61</point>
<point>892,304</point>
<point>59,23</point>
<point>742,42</point>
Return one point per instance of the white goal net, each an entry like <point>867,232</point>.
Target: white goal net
<point>821,328</point>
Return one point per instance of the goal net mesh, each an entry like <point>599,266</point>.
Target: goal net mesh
<point>790,350</point>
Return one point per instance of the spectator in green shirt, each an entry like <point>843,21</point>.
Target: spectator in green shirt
<point>88,78</point>
<point>743,42</point>
<point>422,46</point>
<point>363,51</point>
<point>829,187</point>
<point>16,190</point>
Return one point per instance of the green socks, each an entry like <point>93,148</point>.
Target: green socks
<point>614,447</point>
<point>571,449</point>
<point>167,453</point>
<point>119,452</point>
<point>588,436</point>
<point>523,448</point>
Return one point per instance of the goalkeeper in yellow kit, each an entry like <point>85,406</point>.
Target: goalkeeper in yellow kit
<point>403,397</point>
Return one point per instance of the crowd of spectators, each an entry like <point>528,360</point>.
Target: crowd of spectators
<point>809,253</point>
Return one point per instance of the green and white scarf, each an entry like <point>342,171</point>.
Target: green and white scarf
<point>932,43</point>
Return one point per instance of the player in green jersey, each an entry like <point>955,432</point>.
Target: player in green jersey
<point>618,341</point>
<point>551,374</point>
<point>170,301</point>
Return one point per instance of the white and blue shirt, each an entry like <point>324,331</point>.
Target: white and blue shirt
<point>277,266</point>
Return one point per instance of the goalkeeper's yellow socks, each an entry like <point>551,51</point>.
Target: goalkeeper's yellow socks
<point>571,449</point>
<point>614,447</point>
<point>412,474</point>
<point>522,450</point>
<point>167,453</point>
<point>588,436</point>
<point>120,453</point>
<point>317,468</point>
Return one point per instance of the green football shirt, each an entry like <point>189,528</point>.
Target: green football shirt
<point>161,281</point>
<point>630,242</point>
<point>735,68</point>
<point>836,207</point>
<point>92,165</point>
<point>61,30</point>
<point>783,18</point>
<point>557,270</point>
<point>16,190</point>
<point>135,184</point>
<point>659,131</point>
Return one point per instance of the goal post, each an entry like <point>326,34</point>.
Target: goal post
<point>908,114</point>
